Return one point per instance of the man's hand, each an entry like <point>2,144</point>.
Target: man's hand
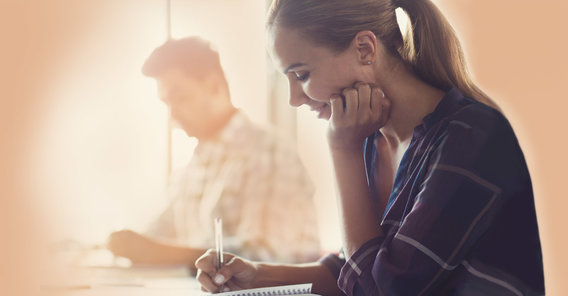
<point>132,245</point>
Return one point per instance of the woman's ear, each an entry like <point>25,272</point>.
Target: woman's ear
<point>365,43</point>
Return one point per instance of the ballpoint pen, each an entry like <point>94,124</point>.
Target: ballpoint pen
<point>219,243</point>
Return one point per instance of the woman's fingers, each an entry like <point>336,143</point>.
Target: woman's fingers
<point>206,282</point>
<point>231,286</point>
<point>235,273</point>
<point>207,270</point>
<point>385,111</point>
<point>377,96</point>
<point>365,95</point>
<point>366,110</point>
<point>351,98</point>
<point>381,106</point>
<point>235,267</point>
<point>337,109</point>
<point>345,107</point>
<point>206,262</point>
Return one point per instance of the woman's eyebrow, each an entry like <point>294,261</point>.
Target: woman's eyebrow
<point>293,66</point>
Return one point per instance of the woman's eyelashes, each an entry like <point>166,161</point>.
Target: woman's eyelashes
<point>302,76</point>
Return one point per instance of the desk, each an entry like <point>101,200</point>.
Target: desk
<point>77,270</point>
<point>138,280</point>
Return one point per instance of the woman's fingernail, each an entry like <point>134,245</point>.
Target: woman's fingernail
<point>225,289</point>
<point>219,279</point>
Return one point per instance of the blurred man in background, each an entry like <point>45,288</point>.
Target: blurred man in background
<point>239,172</point>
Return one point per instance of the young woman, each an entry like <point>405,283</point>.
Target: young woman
<point>434,194</point>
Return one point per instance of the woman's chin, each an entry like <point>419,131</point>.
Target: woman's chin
<point>324,114</point>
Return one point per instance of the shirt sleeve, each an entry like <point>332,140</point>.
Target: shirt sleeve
<point>280,208</point>
<point>164,226</point>
<point>333,262</point>
<point>356,272</point>
<point>456,201</point>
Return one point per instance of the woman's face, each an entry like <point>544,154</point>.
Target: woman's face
<point>315,73</point>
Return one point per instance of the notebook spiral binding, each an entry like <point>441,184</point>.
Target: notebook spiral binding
<point>275,292</point>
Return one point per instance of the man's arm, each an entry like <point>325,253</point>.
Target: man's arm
<point>141,249</point>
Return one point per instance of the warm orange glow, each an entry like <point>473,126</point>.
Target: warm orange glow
<point>515,53</point>
<point>83,145</point>
<point>103,156</point>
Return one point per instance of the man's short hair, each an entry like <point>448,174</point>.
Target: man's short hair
<point>193,55</point>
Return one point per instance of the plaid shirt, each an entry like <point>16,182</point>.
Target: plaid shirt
<point>460,219</point>
<point>257,184</point>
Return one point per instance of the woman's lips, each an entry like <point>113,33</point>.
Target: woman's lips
<point>320,110</point>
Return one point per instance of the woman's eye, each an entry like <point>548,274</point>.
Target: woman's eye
<point>302,76</point>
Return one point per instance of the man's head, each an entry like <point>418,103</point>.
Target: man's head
<point>191,82</point>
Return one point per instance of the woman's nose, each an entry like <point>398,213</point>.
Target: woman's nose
<point>297,95</point>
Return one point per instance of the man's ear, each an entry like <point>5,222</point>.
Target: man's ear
<point>365,42</point>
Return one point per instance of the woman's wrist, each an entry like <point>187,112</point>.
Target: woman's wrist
<point>320,276</point>
<point>344,141</point>
<point>346,146</point>
<point>269,275</point>
<point>347,154</point>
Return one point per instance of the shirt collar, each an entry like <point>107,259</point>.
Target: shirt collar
<point>232,130</point>
<point>229,134</point>
<point>452,100</point>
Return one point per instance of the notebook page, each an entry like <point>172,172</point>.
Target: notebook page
<point>302,289</point>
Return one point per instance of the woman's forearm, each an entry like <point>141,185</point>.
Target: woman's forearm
<point>324,283</point>
<point>358,214</point>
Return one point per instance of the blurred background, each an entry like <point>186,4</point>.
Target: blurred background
<point>86,146</point>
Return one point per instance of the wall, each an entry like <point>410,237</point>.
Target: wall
<point>517,52</point>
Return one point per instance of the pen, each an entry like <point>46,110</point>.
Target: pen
<point>219,243</point>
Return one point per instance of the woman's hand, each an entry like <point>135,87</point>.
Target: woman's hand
<point>237,274</point>
<point>355,114</point>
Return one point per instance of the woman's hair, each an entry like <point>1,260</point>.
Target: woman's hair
<point>430,48</point>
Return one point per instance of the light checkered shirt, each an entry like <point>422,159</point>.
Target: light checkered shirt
<point>257,184</point>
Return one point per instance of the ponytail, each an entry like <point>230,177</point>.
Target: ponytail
<point>434,51</point>
<point>431,49</point>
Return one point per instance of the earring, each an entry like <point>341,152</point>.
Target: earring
<point>368,62</point>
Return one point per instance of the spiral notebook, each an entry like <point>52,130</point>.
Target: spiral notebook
<point>302,289</point>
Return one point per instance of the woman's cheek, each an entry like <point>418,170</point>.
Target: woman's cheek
<point>317,92</point>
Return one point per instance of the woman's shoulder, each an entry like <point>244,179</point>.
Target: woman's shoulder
<point>479,116</point>
<point>480,132</point>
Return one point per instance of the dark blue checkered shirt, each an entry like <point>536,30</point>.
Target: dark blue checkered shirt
<point>461,217</point>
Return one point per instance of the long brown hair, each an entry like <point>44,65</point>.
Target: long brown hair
<point>431,48</point>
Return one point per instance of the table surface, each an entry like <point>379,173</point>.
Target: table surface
<point>125,281</point>
<point>96,275</point>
